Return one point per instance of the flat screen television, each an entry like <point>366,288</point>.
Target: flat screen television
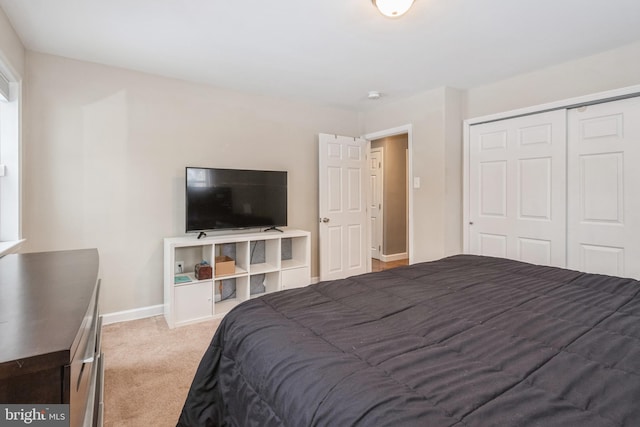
<point>224,199</point>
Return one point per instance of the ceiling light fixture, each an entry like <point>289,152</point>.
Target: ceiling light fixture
<point>392,8</point>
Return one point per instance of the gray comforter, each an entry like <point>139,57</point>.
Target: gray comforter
<point>463,341</point>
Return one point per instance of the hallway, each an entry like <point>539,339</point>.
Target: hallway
<point>377,265</point>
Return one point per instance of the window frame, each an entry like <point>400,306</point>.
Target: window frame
<point>10,163</point>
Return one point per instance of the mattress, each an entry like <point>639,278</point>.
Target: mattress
<point>462,341</point>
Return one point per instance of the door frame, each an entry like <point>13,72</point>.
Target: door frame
<point>404,129</point>
<point>380,225</point>
<point>596,98</point>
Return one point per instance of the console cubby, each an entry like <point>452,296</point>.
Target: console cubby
<point>264,283</point>
<point>295,252</point>
<point>190,256</point>
<point>265,255</point>
<point>238,251</point>
<point>264,262</point>
<point>229,292</point>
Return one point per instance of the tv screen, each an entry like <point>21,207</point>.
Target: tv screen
<point>218,199</point>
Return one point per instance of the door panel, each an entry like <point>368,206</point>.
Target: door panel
<point>344,222</point>
<point>493,189</point>
<point>604,188</point>
<point>492,245</point>
<point>534,192</point>
<point>535,251</point>
<point>334,189</point>
<point>336,243</point>
<point>354,186</point>
<point>356,235</point>
<point>517,196</point>
<point>601,191</point>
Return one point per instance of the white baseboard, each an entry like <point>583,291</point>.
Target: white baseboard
<point>144,312</point>
<point>394,257</point>
<point>134,314</point>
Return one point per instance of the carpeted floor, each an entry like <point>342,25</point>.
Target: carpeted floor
<point>149,368</point>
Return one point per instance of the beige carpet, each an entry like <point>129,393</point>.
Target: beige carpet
<point>149,368</point>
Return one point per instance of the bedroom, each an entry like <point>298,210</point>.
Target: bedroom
<point>122,193</point>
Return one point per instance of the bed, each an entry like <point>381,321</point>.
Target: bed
<point>462,341</point>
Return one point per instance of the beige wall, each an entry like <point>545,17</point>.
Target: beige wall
<point>453,171</point>
<point>436,138</point>
<point>608,70</point>
<point>104,157</point>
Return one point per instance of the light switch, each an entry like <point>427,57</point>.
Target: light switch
<point>416,182</point>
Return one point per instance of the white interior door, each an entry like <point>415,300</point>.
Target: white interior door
<point>344,229</point>
<point>604,188</point>
<point>517,179</point>
<point>376,212</point>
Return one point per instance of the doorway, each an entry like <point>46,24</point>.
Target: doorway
<point>389,201</point>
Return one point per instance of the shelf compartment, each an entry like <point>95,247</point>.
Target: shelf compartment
<point>238,251</point>
<point>261,284</point>
<point>192,255</point>
<point>295,252</point>
<point>265,256</point>
<point>229,292</point>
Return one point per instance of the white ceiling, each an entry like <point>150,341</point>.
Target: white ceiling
<point>330,52</point>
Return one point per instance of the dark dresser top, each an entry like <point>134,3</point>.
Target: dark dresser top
<point>43,301</point>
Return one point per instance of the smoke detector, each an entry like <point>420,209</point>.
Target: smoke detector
<point>373,94</point>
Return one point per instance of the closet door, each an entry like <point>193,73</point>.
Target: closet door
<point>517,188</point>
<point>604,188</point>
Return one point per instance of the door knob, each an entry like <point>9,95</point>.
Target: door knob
<point>325,219</point>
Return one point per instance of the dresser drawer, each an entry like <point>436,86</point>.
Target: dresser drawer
<point>83,366</point>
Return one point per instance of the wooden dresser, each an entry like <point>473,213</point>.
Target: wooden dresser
<point>50,332</point>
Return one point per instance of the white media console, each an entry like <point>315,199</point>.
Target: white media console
<point>264,262</point>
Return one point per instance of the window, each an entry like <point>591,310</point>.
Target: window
<point>4,88</point>
<point>10,174</point>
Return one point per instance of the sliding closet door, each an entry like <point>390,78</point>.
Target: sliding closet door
<point>604,188</point>
<point>517,188</point>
